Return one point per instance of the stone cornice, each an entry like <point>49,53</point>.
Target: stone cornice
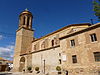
<point>41,50</point>
<point>24,28</point>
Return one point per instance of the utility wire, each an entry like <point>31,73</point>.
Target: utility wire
<point>11,35</point>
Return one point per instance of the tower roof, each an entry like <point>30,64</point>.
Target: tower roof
<point>26,11</point>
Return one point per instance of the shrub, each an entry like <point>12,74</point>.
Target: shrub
<point>36,68</point>
<point>29,68</point>
<point>58,68</point>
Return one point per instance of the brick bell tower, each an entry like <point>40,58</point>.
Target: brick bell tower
<point>24,38</point>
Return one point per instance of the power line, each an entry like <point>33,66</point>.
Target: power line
<point>11,34</point>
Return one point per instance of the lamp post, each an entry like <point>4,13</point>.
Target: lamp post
<point>44,66</point>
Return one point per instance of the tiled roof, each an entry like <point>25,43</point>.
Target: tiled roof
<point>2,58</point>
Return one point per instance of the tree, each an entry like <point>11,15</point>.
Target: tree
<point>96,8</point>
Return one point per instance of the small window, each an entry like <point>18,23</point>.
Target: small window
<point>0,62</point>
<point>72,43</point>
<point>74,59</point>
<point>93,37</point>
<point>97,56</point>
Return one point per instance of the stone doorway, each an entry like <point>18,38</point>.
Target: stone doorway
<point>66,72</point>
<point>22,64</point>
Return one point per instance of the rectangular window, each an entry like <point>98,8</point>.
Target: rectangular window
<point>74,59</point>
<point>72,43</point>
<point>97,56</point>
<point>93,37</point>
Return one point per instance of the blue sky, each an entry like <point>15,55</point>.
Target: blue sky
<point>49,15</point>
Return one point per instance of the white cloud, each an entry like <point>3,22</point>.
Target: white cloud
<point>7,52</point>
<point>1,37</point>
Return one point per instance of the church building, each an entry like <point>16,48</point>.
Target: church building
<point>71,50</point>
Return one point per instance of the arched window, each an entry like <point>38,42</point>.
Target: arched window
<point>24,20</point>
<point>34,47</point>
<point>52,42</point>
<point>22,59</point>
<point>28,18</point>
<point>43,45</point>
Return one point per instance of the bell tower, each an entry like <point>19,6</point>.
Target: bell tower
<point>25,19</point>
<point>24,38</point>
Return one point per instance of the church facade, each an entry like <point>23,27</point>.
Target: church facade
<point>74,49</point>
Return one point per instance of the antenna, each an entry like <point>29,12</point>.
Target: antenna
<point>91,21</point>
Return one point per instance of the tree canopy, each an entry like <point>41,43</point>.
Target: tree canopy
<point>96,5</point>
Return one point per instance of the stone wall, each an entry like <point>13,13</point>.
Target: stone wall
<point>48,58</point>
<point>84,48</point>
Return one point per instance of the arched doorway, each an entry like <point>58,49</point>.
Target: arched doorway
<point>22,64</point>
<point>66,72</point>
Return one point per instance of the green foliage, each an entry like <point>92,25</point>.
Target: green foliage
<point>29,68</point>
<point>96,8</point>
<point>58,68</point>
<point>36,68</point>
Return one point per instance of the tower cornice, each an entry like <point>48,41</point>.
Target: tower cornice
<point>24,28</point>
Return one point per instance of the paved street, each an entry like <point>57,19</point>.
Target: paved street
<point>6,74</point>
<point>15,73</point>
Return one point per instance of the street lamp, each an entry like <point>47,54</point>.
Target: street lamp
<point>44,66</point>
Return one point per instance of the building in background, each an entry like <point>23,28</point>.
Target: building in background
<point>5,64</point>
<point>72,50</point>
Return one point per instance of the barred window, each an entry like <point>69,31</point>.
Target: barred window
<point>72,43</point>
<point>93,37</point>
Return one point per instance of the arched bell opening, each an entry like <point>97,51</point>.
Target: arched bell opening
<point>24,20</point>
